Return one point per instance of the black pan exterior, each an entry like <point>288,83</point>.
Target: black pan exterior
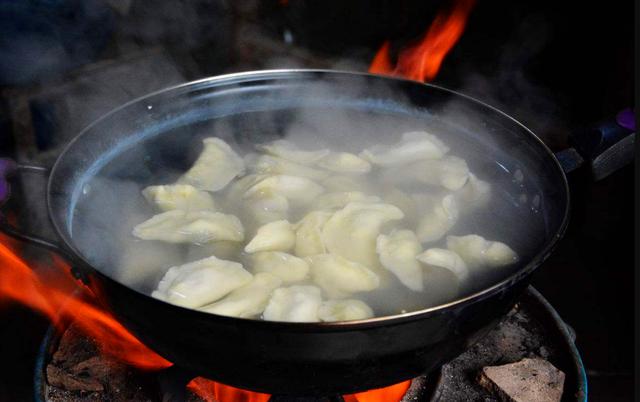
<point>297,358</point>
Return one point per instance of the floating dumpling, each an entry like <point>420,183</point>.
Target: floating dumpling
<point>352,231</point>
<point>289,151</point>
<point>440,216</point>
<point>274,236</point>
<point>267,207</point>
<point>450,172</point>
<point>474,194</point>
<point>344,310</point>
<point>476,251</point>
<point>309,234</point>
<point>294,304</point>
<point>184,197</point>
<point>190,227</point>
<point>272,165</point>
<point>397,253</point>
<point>201,282</point>
<point>340,199</point>
<point>248,301</point>
<point>294,188</point>
<point>414,146</point>
<point>344,162</point>
<point>447,259</point>
<point>216,166</point>
<point>340,277</point>
<point>287,267</point>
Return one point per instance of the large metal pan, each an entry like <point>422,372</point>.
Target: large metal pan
<point>134,141</point>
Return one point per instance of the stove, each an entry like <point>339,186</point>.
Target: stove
<point>70,367</point>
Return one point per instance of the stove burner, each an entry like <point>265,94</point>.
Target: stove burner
<point>531,329</point>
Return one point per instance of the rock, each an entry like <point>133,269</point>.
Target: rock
<point>529,380</point>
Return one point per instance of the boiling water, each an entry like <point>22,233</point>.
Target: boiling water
<point>111,203</point>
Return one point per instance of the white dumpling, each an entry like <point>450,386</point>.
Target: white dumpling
<point>287,267</point>
<point>344,310</point>
<point>190,227</point>
<point>289,151</point>
<point>344,162</point>
<point>398,253</point>
<point>309,233</point>
<point>216,166</point>
<point>414,146</point>
<point>201,282</point>
<point>238,188</point>
<point>272,165</point>
<point>443,258</point>
<point>344,183</point>
<point>340,199</point>
<point>477,252</point>
<point>294,304</point>
<point>184,197</point>
<point>295,189</point>
<point>273,236</point>
<point>449,172</point>
<point>352,231</point>
<point>247,301</point>
<point>474,194</point>
<point>440,216</point>
<point>266,207</point>
<point>340,277</point>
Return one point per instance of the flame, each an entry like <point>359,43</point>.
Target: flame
<point>57,295</point>
<point>422,61</point>
<point>212,391</point>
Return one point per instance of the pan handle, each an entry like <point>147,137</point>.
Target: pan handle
<point>607,147</point>
<point>8,168</point>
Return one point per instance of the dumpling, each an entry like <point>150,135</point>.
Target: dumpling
<point>294,304</point>
<point>344,183</point>
<point>201,282</point>
<point>190,227</point>
<point>266,207</point>
<point>340,277</point>
<point>272,165</point>
<point>474,194</point>
<point>450,172</point>
<point>344,162</point>
<point>414,146</point>
<point>441,215</point>
<point>397,253</point>
<point>402,200</point>
<point>289,151</point>
<point>476,251</point>
<point>238,188</point>
<point>309,233</point>
<point>247,301</point>
<point>352,231</point>
<point>295,189</point>
<point>443,258</point>
<point>285,266</point>
<point>274,236</point>
<point>344,310</point>
<point>184,197</point>
<point>216,166</point>
<point>339,200</point>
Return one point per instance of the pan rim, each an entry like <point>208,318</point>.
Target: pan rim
<point>531,266</point>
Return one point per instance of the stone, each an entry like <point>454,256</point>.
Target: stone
<point>529,380</point>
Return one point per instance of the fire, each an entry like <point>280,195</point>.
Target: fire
<point>422,61</point>
<point>61,299</point>
<point>54,292</point>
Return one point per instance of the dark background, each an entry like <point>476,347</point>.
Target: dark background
<point>556,66</point>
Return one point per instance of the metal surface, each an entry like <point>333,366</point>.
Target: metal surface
<point>303,358</point>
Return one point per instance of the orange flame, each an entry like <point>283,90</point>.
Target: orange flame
<point>422,61</point>
<point>59,297</point>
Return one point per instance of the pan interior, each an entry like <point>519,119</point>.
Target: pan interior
<point>154,140</point>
